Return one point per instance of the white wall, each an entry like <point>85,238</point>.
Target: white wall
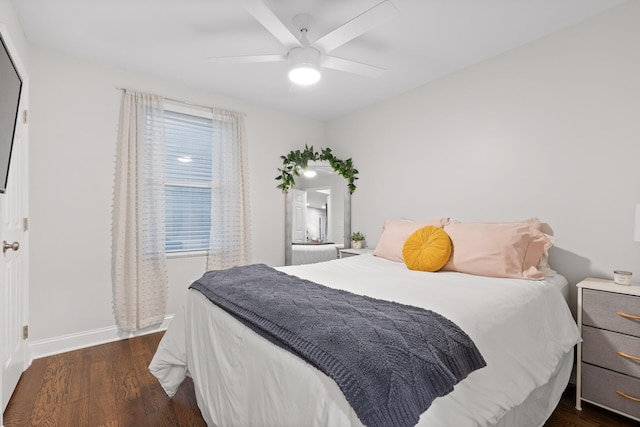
<point>549,130</point>
<point>74,122</point>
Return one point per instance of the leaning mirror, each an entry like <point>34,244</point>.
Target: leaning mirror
<point>318,191</point>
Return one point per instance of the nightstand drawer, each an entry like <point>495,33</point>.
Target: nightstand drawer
<point>600,347</point>
<point>600,309</point>
<point>600,385</point>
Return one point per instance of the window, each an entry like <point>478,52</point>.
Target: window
<point>181,186</point>
<point>188,184</point>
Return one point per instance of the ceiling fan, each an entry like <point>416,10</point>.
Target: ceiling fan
<point>307,58</point>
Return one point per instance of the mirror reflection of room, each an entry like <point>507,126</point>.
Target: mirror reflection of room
<point>318,211</point>
<point>317,214</point>
<point>311,216</point>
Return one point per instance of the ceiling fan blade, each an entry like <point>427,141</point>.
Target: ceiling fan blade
<point>266,17</point>
<point>357,26</point>
<point>352,66</point>
<point>247,59</point>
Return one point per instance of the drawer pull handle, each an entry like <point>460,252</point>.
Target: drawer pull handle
<point>628,356</point>
<point>626,396</point>
<point>628,316</point>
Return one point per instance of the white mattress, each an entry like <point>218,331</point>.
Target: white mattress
<point>523,328</point>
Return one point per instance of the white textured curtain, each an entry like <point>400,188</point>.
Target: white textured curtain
<point>230,238</point>
<point>141,279</point>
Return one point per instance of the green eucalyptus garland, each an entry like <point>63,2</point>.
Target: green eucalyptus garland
<point>297,160</point>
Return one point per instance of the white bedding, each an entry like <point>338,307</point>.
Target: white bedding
<point>523,328</point>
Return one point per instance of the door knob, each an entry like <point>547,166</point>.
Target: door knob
<point>13,246</point>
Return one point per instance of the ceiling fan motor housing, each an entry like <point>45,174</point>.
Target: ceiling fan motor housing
<point>300,56</point>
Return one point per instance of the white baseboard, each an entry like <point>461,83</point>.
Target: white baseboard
<point>64,343</point>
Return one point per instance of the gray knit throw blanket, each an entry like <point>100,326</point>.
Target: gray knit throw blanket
<point>390,360</point>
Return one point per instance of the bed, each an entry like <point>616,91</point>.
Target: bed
<point>310,253</point>
<point>523,328</point>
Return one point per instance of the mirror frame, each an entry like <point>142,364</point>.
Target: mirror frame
<point>298,160</point>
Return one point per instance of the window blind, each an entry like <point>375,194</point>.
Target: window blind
<point>188,181</point>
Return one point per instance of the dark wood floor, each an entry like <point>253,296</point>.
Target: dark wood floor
<point>566,415</point>
<point>109,385</point>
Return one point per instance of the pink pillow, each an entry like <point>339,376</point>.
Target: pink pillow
<point>512,249</point>
<point>396,231</point>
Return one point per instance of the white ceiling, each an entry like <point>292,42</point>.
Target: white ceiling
<point>172,39</point>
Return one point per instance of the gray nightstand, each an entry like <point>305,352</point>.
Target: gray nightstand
<point>345,253</point>
<point>608,365</point>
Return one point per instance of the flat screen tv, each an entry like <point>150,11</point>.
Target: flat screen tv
<point>10,89</point>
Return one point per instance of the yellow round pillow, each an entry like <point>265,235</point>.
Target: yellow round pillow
<point>428,249</point>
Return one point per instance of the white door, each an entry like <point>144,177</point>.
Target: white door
<point>14,260</point>
<point>299,215</point>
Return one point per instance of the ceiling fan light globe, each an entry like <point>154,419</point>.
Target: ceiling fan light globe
<point>304,75</point>
<point>305,62</point>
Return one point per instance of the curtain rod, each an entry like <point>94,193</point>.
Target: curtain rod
<point>206,107</point>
